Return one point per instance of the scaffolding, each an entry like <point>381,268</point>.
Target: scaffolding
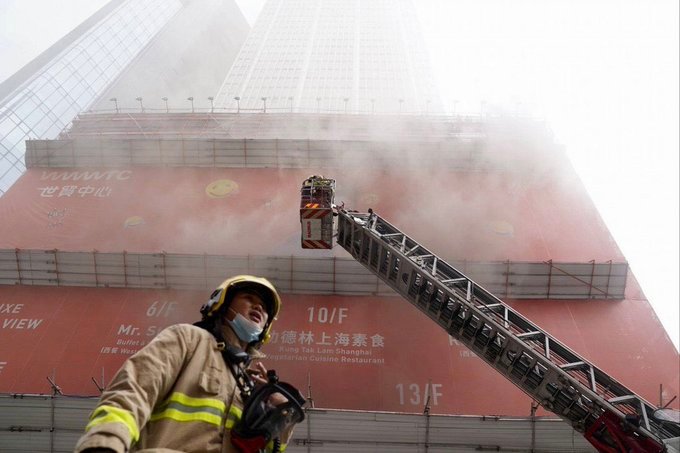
<point>103,151</point>
<point>53,423</point>
<point>296,274</point>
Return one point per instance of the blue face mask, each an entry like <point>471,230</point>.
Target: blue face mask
<point>244,328</point>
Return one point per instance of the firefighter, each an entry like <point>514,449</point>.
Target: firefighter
<point>201,388</point>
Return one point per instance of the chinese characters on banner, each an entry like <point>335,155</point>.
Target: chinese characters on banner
<point>75,191</point>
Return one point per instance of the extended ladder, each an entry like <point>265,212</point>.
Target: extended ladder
<point>610,416</point>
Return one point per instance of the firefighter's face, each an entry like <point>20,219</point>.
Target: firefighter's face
<point>249,305</point>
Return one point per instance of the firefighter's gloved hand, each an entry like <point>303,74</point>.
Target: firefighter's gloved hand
<point>258,373</point>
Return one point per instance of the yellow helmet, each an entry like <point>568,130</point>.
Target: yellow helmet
<point>227,289</point>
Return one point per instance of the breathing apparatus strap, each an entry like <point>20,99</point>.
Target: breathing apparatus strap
<point>237,361</point>
<point>261,422</point>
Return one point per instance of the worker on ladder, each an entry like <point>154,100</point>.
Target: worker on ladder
<point>201,387</point>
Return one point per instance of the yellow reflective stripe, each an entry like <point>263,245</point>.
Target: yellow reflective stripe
<point>180,416</point>
<point>197,402</point>
<point>233,416</point>
<point>183,408</point>
<point>111,414</point>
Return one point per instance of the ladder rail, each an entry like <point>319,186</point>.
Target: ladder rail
<point>548,371</point>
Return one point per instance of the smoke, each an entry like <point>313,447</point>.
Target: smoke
<point>188,59</point>
<point>463,183</point>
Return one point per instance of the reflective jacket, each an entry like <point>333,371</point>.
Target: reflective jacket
<point>175,394</point>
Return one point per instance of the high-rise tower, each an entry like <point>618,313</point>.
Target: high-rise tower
<point>43,99</point>
<point>127,56</point>
<point>342,56</point>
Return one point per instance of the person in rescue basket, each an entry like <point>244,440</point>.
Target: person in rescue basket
<point>201,388</point>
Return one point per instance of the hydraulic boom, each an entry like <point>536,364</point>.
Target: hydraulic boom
<point>610,416</point>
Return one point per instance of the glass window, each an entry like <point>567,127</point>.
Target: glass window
<point>76,57</point>
<point>4,165</point>
<point>8,178</point>
<point>18,151</point>
<point>42,126</point>
<point>54,129</point>
<point>77,90</point>
<point>13,173</point>
<point>7,127</point>
<point>12,137</point>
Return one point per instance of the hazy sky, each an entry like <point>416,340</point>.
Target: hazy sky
<point>603,73</point>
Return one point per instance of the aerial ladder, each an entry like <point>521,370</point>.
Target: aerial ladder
<point>609,415</point>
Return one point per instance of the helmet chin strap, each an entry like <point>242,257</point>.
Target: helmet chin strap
<point>237,360</point>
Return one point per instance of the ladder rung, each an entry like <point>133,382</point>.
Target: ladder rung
<point>534,333</point>
<point>490,307</point>
<point>422,257</point>
<point>573,365</point>
<point>453,280</point>
<point>624,399</point>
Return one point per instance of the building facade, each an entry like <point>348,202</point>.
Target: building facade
<point>335,57</point>
<point>125,226</point>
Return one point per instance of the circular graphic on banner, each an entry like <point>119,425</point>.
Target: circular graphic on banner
<point>133,221</point>
<point>501,228</point>
<point>221,188</point>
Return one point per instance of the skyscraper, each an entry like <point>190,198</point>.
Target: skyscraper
<point>333,56</point>
<point>40,102</point>
<point>110,61</point>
